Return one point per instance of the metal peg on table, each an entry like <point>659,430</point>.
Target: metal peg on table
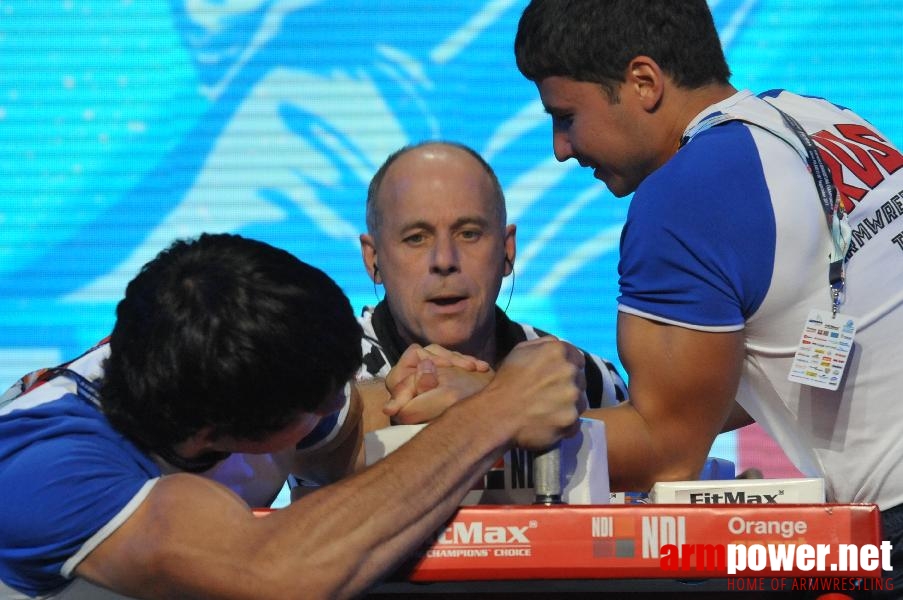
<point>547,476</point>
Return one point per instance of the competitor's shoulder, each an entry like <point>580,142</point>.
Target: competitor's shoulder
<point>65,463</point>
<point>329,426</point>
<point>804,104</point>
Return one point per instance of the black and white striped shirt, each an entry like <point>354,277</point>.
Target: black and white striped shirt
<point>382,347</point>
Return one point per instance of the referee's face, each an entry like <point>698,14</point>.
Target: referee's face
<point>441,249</point>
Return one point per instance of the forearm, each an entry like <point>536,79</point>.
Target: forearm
<point>682,388</point>
<point>639,454</point>
<point>532,402</point>
<point>193,538</point>
<point>414,495</point>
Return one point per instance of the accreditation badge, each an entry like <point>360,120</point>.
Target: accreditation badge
<point>824,348</point>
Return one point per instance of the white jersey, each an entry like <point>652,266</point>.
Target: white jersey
<point>742,243</point>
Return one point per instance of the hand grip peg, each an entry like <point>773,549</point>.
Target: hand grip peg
<point>547,476</point>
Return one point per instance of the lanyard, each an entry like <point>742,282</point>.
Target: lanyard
<point>87,390</point>
<point>835,215</point>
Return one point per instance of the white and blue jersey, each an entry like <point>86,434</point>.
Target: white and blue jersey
<point>68,479</point>
<point>730,235</point>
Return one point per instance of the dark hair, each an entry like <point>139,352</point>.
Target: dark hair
<point>374,215</point>
<point>227,332</point>
<point>594,41</point>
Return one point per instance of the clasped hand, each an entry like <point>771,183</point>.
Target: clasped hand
<point>428,380</point>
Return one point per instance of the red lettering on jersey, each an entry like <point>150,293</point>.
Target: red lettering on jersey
<point>861,163</point>
<point>887,156</point>
<point>864,153</point>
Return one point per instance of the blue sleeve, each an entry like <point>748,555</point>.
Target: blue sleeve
<point>61,481</point>
<point>328,427</point>
<point>325,430</point>
<point>698,245</point>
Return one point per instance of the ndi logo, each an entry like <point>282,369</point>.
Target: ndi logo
<point>603,527</point>
<point>660,531</point>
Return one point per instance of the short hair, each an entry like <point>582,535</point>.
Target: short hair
<point>595,40</point>
<point>374,214</point>
<point>227,332</point>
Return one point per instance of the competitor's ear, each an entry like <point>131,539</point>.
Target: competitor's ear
<point>646,80</point>
<point>510,248</point>
<point>368,254</point>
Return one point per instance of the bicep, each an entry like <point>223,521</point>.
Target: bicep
<point>175,543</point>
<point>682,383</point>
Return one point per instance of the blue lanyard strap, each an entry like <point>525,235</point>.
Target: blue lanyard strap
<point>88,390</point>
<point>828,195</point>
<point>835,215</point>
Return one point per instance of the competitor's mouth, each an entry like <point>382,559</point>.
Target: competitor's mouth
<point>597,171</point>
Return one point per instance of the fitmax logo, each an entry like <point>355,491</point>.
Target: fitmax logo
<point>734,498</point>
<point>478,533</point>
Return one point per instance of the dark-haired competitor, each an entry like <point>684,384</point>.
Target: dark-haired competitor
<point>747,212</point>
<point>110,464</point>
